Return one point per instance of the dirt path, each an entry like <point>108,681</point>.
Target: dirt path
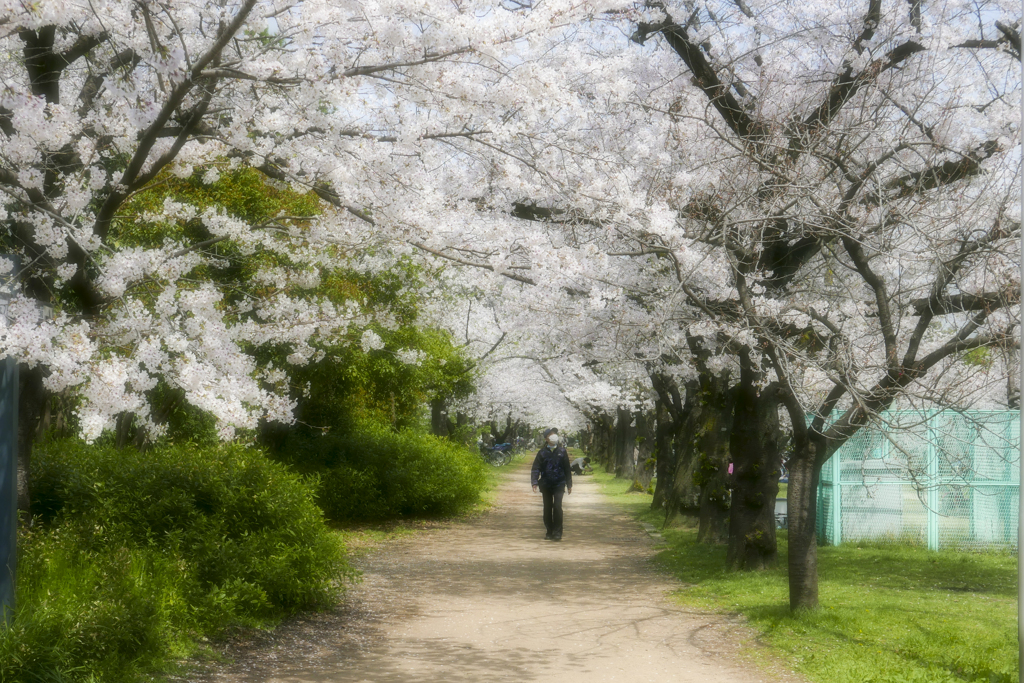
<point>491,600</point>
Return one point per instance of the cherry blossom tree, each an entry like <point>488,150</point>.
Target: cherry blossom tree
<point>395,114</point>
<point>869,214</point>
<point>826,204</point>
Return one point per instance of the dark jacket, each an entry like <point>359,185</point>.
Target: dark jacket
<point>536,478</point>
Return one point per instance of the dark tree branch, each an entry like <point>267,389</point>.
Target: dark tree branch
<point>945,173</point>
<point>936,302</point>
<point>126,59</point>
<point>378,68</point>
<point>881,292</point>
<point>81,47</point>
<point>956,303</point>
<point>704,75</point>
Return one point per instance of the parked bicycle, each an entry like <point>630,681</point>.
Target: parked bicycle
<point>497,455</point>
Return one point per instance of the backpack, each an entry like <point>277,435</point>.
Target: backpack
<point>551,466</point>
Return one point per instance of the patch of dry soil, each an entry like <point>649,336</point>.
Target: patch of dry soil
<point>491,600</point>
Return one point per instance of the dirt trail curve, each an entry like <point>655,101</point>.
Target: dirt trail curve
<point>491,600</point>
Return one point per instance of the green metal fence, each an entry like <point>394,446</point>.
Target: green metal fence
<point>944,479</point>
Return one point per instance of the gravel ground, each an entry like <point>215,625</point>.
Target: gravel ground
<point>491,600</point>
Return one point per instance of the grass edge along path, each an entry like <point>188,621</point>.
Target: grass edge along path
<point>889,614</point>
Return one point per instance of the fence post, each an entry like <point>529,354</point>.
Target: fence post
<point>837,501</point>
<point>932,470</point>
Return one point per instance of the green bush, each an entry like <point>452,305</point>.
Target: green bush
<point>373,472</point>
<point>136,556</point>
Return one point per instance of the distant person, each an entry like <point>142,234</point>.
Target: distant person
<point>581,465</point>
<point>551,474</point>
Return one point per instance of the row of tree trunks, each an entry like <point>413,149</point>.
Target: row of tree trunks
<point>700,482</point>
<point>671,410</point>
<point>704,429</point>
<point>698,435</point>
<point>626,446</point>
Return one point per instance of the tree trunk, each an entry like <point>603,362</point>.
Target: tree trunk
<point>684,495</point>
<point>32,398</point>
<point>802,513</point>
<point>587,439</point>
<point>438,418</point>
<point>664,454</point>
<point>501,436</point>
<point>123,429</point>
<point>711,471</point>
<point>756,458</point>
<point>700,483</point>
<point>625,444</point>
<point>603,441</point>
<point>645,449</point>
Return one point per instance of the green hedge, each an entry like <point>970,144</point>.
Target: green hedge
<point>373,472</point>
<point>134,557</point>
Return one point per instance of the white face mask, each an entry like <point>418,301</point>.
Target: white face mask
<point>553,439</point>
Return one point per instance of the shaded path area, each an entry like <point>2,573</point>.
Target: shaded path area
<point>490,599</point>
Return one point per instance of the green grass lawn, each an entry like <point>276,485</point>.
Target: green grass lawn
<point>889,614</point>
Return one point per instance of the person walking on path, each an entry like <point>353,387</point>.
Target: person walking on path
<point>552,475</point>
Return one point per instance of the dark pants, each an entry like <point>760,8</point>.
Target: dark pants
<point>553,508</point>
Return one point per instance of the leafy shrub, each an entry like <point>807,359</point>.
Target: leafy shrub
<point>135,556</point>
<point>373,472</point>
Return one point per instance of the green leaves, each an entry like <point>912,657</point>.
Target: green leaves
<point>136,556</point>
<point>373,472</point>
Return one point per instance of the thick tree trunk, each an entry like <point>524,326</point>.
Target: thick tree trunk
<point>603,441</point>
<point>756,458</point>
<point>684,494</point>
<point>664,454</point>
<point>712,460</point>
<point>700,483</point>
<point>645,449</point>
<point>625,444</point>
<point>32,414</point>
<point>802,513</point>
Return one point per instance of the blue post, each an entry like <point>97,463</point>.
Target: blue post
<point>8,484</point>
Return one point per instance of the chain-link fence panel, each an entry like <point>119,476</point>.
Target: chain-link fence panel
<point>944,479</point>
